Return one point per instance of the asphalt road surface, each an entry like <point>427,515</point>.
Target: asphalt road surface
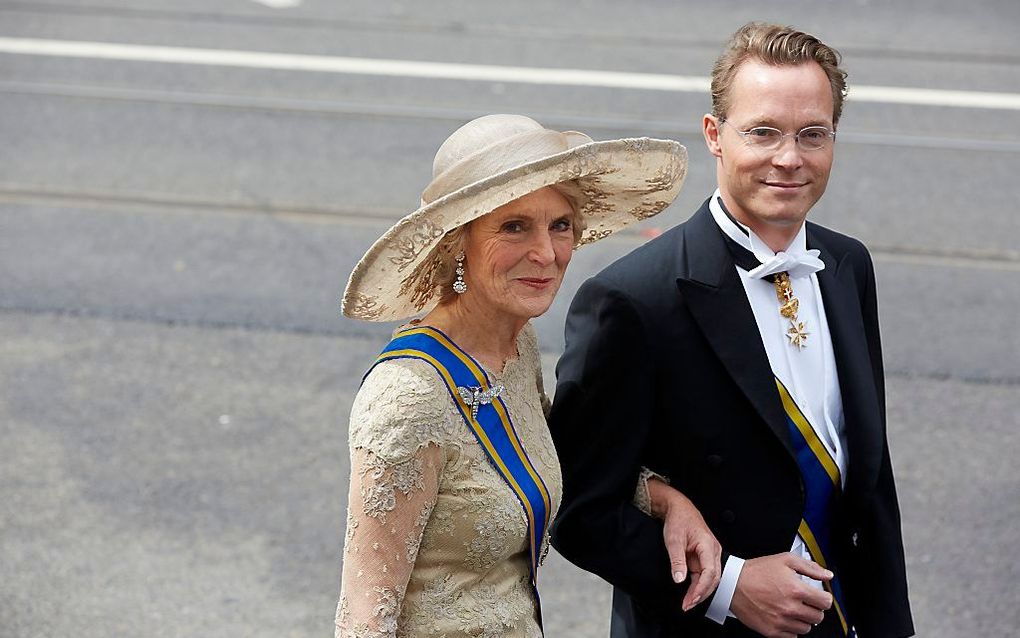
<point>179,216</point>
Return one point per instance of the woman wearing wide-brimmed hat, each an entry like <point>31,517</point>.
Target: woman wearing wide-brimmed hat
<point>454,477</point>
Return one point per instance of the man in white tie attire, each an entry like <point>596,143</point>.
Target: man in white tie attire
<point>736,361</point>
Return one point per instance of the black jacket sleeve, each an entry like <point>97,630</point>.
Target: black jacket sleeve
<point>881,540</point>
<point>600,422</point>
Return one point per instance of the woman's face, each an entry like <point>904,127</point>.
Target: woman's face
<point>516,255</point>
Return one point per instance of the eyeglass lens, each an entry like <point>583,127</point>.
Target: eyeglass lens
<point>810,138</point>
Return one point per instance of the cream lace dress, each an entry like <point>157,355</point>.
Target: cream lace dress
<point>436,541</point>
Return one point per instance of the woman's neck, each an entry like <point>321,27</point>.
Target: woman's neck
<point>490,337</point>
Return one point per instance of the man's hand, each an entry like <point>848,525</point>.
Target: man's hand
<point>771,598</point>
<point>690,543</point>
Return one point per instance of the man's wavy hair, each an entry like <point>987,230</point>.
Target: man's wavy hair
<point>779,46</point>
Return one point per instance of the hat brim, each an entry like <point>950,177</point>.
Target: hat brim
<point>623,181</point>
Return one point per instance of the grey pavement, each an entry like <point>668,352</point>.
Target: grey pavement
<point>175,380</point>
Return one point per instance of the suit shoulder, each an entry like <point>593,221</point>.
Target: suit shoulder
<point>646,268</point>
<point>839,243</point>
<point>402,406</point>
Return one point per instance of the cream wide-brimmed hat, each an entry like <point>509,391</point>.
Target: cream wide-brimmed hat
<point>491,161</point>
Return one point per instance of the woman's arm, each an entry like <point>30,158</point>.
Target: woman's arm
<point>388,506</point>
<point>690,543</point>
<point>398,455</point>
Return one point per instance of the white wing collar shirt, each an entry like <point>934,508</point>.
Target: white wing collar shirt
<point>809,373</point>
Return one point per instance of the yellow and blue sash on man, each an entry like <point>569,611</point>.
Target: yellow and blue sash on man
<point>822,486</point>
<point>491,425</point>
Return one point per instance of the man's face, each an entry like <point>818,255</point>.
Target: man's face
<point>771,191</point>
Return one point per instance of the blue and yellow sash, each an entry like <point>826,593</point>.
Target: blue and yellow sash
<point>822,486</point>
<point>492,426</point>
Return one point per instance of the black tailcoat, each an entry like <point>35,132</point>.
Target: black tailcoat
<point>664,367</point>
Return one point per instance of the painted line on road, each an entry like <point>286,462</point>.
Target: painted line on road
<point>611,122</point>
<point>278,4</point>
<point>137,201</point>
<point>442,26</point>
<point>924,258</point>
<point>466,72</point>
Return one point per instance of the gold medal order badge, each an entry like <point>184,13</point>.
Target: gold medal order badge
<point>788,307</point>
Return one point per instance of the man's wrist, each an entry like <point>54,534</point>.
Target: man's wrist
<point>719,608</point>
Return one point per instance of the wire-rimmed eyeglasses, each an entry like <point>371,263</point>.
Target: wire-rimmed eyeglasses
<point>766,138</point>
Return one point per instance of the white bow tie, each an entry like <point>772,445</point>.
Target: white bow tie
<point>797,263</point>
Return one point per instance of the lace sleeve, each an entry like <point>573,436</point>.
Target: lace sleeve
<point>642,499</point>
<point>398,425</point>
<point>389,505</point>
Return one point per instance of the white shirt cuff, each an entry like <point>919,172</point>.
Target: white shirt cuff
<point>719,609</point>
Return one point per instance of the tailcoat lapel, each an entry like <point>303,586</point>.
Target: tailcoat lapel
<point>712,292</point>
<point>861,410</point>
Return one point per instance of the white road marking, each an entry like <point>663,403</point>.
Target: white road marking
<point>467,72</point>
<point>279,4</point>
<point>462,114</point>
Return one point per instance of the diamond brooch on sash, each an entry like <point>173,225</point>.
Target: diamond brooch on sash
<point>788,307</point>
<point>474,396</point>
